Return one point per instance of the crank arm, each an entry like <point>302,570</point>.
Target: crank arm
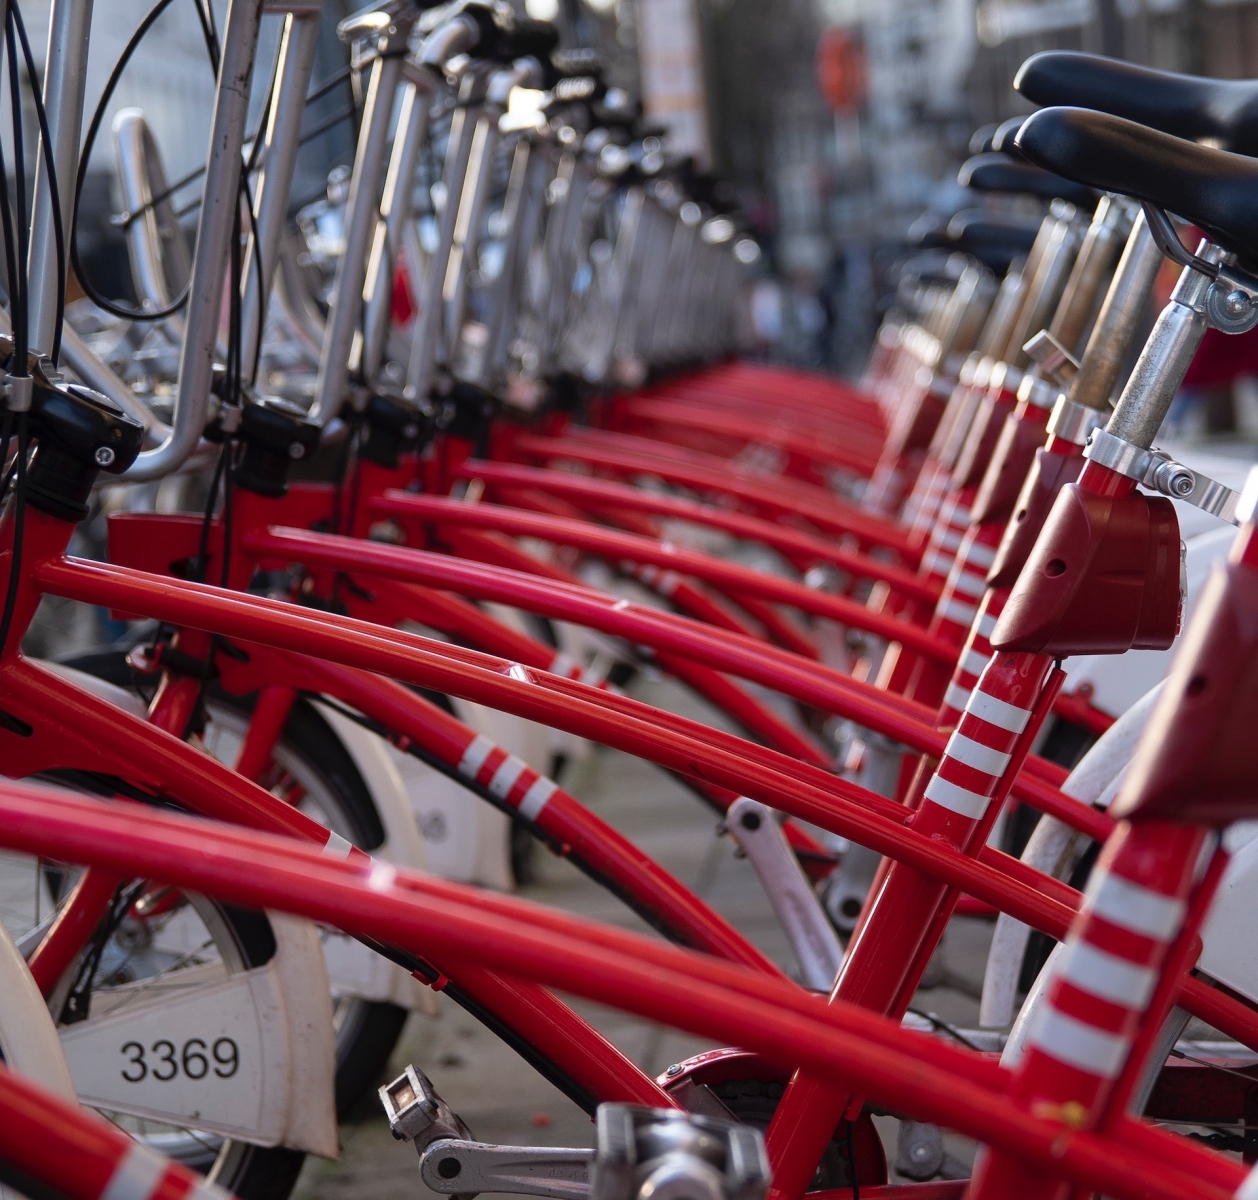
<point>453,1166</point>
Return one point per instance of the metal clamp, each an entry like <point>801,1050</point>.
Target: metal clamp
<point>1157,470</point>
<point>1074,422</point>
<point>1037,392</point>
<point>455,1167</point>
<point>1052,357</point>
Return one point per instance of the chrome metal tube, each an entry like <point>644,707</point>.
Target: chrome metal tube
<point>426,337</point>
<point>155,248</point>
<point>362,212</point>
<point>219,206</point>
<point>65,77</point>
<point>281,142</point>
<point>525,216</point>
<point>1116,322</point>
<point>1044,289</point>
<point>467,227</point>
<point>1162,365</point>
<point>395,208</point>
<point>1094,264</point>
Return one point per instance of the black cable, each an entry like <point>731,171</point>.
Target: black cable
<point>89,142</point>
<point>851,1161</point>
<point>205,14</point>
<point>21,305</point>
<point>10,254</point>
<point>253,138</point>
<point>54,191</point>
<point>19,529</point>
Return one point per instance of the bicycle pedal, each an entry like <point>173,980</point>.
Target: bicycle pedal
<point>666,1154</point>
<point>417,1112</point>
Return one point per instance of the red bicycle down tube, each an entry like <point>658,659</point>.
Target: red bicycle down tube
<point>481,679</point>
<point>914,1072</point>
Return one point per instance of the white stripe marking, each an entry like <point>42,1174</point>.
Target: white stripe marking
<point>1070,1041</point>
<point>987,622</point>
<point>1249,1189</point>
<point>953,610</point>
<point>950,539</point>
<point>503,779</point>
<point>207,1191</point>
<point>1107,976</point>
<point>136,1177</point>
<point>956,697</point>
<point>998,712</point>
<point>336,846</point>
<point>534,800</point>
<point>975,754</point>
<point>974,662</point>
<point>956,798</point>
<point>563,664</point>
<point>478,749</point>
<point>980,555</point>
<point>1133,906</point>
<point>969,584</point>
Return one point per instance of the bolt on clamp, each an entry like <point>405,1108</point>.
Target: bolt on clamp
<point>1156,469</point>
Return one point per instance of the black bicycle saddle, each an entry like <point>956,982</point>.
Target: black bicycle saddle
<point>1006,131</point>
<point>996,172</point>
<point>1188,106</point>
<point>1215,190</point>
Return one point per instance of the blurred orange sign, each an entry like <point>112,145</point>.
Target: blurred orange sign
<point>842,70</point>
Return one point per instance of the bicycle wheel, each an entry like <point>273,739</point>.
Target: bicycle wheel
<point>154,946</point>
<point>311,770</point>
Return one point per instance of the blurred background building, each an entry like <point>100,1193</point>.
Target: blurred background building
<point>831,124</point>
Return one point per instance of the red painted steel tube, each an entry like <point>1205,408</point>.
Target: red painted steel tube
<point>854,451</point>
<point>801,548</point>
<point>895,716</point>
<point>83,732</point>
<point>899,719</point>
<point>576,830</point>
<point>80,914</point>
<point>618,546</point>
<point>1008,889</point>
<point>959,806</point>
<point>599,963</point>
<point>266,723</point>
<point>76,1154</point>
<point>512,688</point>
<point>779,498</point>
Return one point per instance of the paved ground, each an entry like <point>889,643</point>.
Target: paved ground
<point>500,1098</point>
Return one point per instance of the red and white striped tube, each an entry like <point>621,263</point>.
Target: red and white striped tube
<point>76,1154</point>
<point>902,926</point>
<point>1100,989</point>
<point>509,778</point>
<point>975,654</point>
<point>966,585</point>
<point>979,750</point>
<point>951,525</point>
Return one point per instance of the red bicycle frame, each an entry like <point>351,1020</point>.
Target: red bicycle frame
<point>912,1072</point>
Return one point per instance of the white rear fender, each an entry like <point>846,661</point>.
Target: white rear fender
<point>249,1055</point>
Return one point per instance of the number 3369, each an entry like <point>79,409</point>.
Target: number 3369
<point>195,1060</point>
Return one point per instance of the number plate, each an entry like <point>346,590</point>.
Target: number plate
<point>189,1051</point>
